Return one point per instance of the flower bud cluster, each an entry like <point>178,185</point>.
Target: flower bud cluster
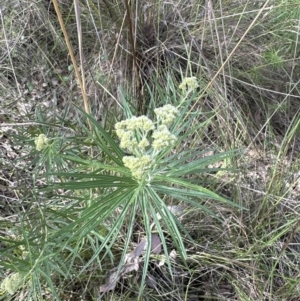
<point>189,84</point>
<point>138,166</point>
<point>166,114</point>
<point>145,139</point>
<point>130,130</point>
<point>162,138</point>
<point>41,142</point>
<point>12,283</point>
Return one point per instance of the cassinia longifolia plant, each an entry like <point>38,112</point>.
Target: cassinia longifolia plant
<point>114,189</point>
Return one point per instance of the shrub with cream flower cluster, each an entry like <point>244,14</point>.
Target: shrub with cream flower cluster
<point>144,139</point>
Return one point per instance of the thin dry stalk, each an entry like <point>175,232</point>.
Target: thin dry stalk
<point>80,78</point>
<point>135,64</point>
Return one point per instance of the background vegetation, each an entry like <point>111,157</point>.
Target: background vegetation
<point>69,213</point>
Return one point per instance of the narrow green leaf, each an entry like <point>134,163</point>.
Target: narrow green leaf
<point>196,189</point>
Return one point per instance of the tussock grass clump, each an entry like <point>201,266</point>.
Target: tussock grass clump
<point>81,210</point>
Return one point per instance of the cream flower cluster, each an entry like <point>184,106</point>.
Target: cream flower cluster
<point>137,165</point>
<point>162,138</point>
<point>129,131</point>
<point>12,283</point>
<point>166,114</point>
<point>189,84</point>
<point>41,142</point>
<point>135,136</point>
